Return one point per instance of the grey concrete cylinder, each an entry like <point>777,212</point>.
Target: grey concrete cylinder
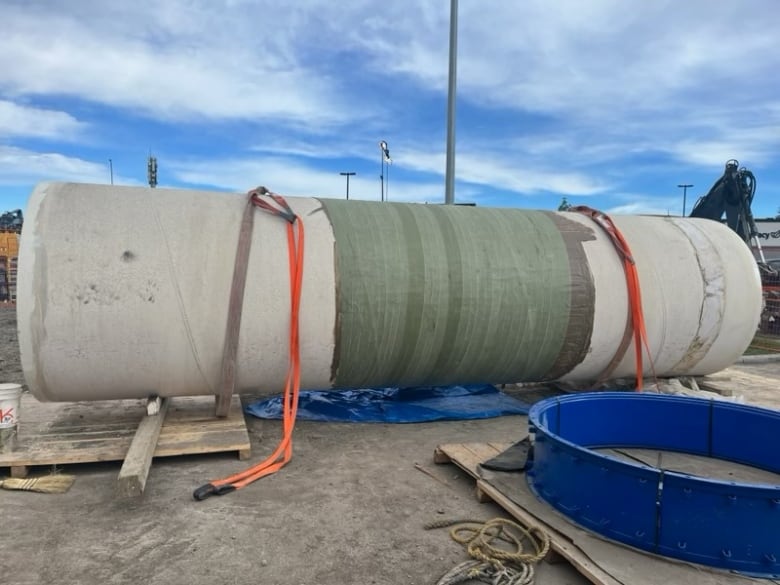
<point>123,292</point>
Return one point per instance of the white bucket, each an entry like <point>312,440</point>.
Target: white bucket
<point>10,396</point>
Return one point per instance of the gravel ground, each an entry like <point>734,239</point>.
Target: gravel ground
<point>10,368</point>
<point>348,509</point>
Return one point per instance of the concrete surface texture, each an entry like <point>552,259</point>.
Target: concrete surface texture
<point>123,293</point>
<point>348,509</point>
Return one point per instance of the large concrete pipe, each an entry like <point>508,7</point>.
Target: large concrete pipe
<point>123,292</point>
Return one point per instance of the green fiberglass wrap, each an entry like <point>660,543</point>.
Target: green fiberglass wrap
<point>431,295</point>
<point>123,292</point>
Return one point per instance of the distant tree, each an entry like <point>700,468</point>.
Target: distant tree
<point>565,205</point>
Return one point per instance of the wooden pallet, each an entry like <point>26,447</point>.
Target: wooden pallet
<point>600,561</point>
<point>87,432</point>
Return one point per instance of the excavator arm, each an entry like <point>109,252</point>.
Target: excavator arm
<point>732,195</point>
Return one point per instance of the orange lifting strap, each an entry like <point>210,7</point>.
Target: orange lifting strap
<point>283,452</point>
<point>636,316</point>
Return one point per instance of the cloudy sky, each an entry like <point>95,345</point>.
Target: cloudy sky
<point>606,102</point>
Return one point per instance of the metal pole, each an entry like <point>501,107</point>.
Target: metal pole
<point>111,170</point>
<point>449,183</point>
<point>347,175</point>
<point>385,161</point>
<point>685,193</point>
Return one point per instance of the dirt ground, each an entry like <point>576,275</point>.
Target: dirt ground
<point>10,368</point>
<point>348,509</point>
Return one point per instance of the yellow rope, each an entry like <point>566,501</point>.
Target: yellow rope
<point>496,545</point>
<point>479,539</point>
<point>48,484</point>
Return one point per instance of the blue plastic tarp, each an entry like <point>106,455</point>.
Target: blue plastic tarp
<point>396,405</point>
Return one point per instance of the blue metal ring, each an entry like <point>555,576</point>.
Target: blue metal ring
<point>723,524</point>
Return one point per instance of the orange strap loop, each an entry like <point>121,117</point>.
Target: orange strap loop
<point>636,315</point>
<point>283,452</point>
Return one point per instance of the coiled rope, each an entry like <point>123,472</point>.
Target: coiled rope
<point>497,551</point>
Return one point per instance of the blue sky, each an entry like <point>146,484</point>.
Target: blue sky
<point>609,103</point>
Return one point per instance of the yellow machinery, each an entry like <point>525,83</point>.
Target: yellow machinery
<point>9,255</point>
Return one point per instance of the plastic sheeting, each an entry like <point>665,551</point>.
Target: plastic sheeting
<point>397,405</point>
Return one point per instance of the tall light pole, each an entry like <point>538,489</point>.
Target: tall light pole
<point>347,175</point>
<point>449,180</point>
<point>111,170</point>
<point>684,187</point>
<point>384,160</point>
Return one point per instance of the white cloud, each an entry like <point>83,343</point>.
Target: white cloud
<point>595,68</point>
<point>477,178</point>
<point>758,144</point>
<point>476,175</point>
<point>599,76</point>
<point>647,207</point>
<point>20,166</point>
<point>518,169</point>
<point>174,61</point>
<point>574,56</point>
<point>244,59</point>
<point>569,98</point>
<point>502,170</point>
<point>289,177</point>
<point>30,122</point>
<point>643,204</point>
<point>302,148</point>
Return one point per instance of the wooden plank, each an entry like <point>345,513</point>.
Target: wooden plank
<point>602,562</point>
<point>468,456</point>
<point>554,558</point>
<point>86,432</point>
<point>558,543</point>
<point>481,496</point>
<point>135,469</point>
<point>440,457</point>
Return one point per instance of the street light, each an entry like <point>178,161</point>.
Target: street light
<point>347,175</point>
<point>684,187</point>
<point>111,170</point>
<point>384,161</point>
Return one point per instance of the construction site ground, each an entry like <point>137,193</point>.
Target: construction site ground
<point>349,508</point>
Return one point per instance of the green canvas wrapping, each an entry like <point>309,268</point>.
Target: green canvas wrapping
<point>431,294</point>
